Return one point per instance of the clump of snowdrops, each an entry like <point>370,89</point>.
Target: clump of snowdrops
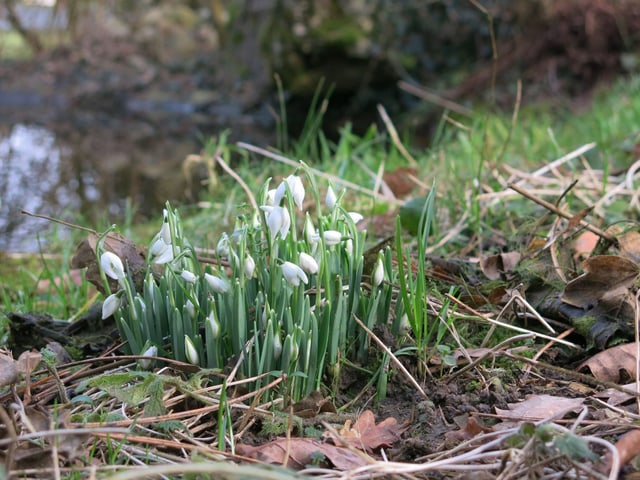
<point>276,298</point>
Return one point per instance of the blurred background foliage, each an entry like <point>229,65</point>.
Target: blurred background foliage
<point>202,50</point>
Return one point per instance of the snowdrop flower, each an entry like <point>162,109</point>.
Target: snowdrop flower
<point>309,231</point>
<point>295,186</point>
<point>112,265</point>
<point>213,325</point>
<point>308,263</point>
<point>191,309</point>
<point>271,197</point>
<point>217,284</point>
<point>277,347</point>
<point>190,351</point>
<point>249,266</point>
<point>165,231</point>
<point>189,276</point>
<point>378,272</point>
<point>330,199</point>
<point>278,220</point>
<point>331,237</point>
<point>111,304</point>
<point>222,248</point>
<point>165,253</point>
<point>348,247</point>
<point>405,327</point>
<point>293,274</point>
<point>355,216</point>
<point>146,364</point>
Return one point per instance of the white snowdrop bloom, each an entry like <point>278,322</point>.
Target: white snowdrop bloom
<point>295,186</point>
<point>355,216</point>
<point>146,364</point>
<point>330,199</point>
<point>277,347</point>
<point>278,220</point>
<point>293,274</point>
<point>309,231</point>
<point>214,326</point>
<point>164,252</point>
<point>165,230</point>
<point>190,351</point>
<point>111,305</point>
<point>331,237</point>
<point>271,197</point>
<point>308,263</point>
<point>222,248</point>
<point>405,326</point>
<point>217,284</point>
<point>112,265</point>
<point>189,276</point>
<point>348,247</point>
<point>191,308</point>
<point>249,266</point>
<point>378,272</point>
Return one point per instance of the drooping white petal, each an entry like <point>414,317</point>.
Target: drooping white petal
<point>293,274</point>
<point>146,363</point>
<point>217,284</point>
<point>309,231</point>
<point>249,266</point>
<point>191,308</point>
<point>278,220</point>
<point>308,263</point>
<point>294,182</point>
<point>213,326</point>
<point>330,199</point>
<point>331,237</point>
<point>165,253</point>
<point>190,351</point>
<point>112,265</point>
<point>378,272</point>
<point>111,305</point>
<point>222,248</point>
<point>189,276</point>
<point>355,216</point>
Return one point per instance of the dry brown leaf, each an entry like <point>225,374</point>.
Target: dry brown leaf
<point>8,371</point>
<point>614,396</point>
<point>366,435</point>
<point>630,246</point>
<point>628,448</point>
<point>132,257</point>
<point>312,405</point>
<point>472,428</point>
<point>298,453</point>
<point>610,364</point>
<point>539,407</point>
<point>495,266</point>
<point>399,181</point>
<point>604,276</point>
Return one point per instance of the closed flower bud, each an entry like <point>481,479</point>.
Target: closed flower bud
<point>277,347</point>
<point>190,351</point>
<point>188,276</point>
<point>213,326</point>
<point>147,363</point>
<point>111,305</point>
<point>331,237</point>
<point>222,248</point>
<point>308,263</point>
<point>249,266</point>
<point>165,230</point>
<point>293,274</point>
<point>191,309</point>
<point>355,216</point>
<point>217,284</point>
<point>330,199</point>
<point>112,265</point>
<point>378,272</point>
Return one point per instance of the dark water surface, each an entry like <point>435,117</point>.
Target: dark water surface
<point>84,166</point>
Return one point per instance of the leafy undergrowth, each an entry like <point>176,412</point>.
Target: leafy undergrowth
<point>531,372</point>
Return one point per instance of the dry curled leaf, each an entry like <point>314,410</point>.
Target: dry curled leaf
<point>312,405</point>
<point>496,266</point>
<point>472,428</point>
<point>539,407</point>
<point>612,364</point>
<point>366,435</point>
<point>8,371</point>
<point>605,276</point>
<point>628,448</point>
<point>297,453</point>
